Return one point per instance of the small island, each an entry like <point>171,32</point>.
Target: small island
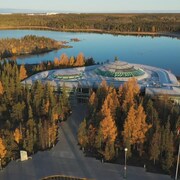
<point>26,45</point>
<point>75,40</point>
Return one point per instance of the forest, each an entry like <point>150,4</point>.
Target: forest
<point>124,118</point>
<point>29,44</point>
<point>28,115</point>
<point>109,23</point>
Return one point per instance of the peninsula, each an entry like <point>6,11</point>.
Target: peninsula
<point>29,44</point>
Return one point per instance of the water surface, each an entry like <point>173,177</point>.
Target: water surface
<point>163,52</point>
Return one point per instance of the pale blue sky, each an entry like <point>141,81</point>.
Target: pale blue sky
<point>93,5</point>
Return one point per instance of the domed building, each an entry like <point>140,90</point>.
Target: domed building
<point>79,81</point>
<point>120,69</point>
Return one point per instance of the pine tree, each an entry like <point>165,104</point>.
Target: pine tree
<point>64,61</point>
<point>82,134</point>
<point>17,135</point>
<point>91,134</point>
<point>22,72</point>
<point>1,88</point>
<point>93,103</point>
<point>129,126</point>
<point>130,90</point>
<point>155,144</point>
<point>107,125</point>
<point>109,152</point>
<point>167,159</point>
<point>3,150</point>
<point>56,62</point>
<point>71,61</point>
<point>80,61</point>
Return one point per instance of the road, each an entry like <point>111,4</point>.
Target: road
<point>66,159</point>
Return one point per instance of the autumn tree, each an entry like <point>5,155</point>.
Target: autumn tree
<point>3,150</point>
<point>22,72</point>
<point>64,61</point>
<point>108,131</point>
<point>17,135</point>
<point>135,127</point>
<point>80,61</point>
<point>101,94</point>
<point>1,88</point>
<point>82,134</point>
<point>155,144</point>
<point>109,152</point>
<point>71,61</point>
<point>93,103</point>
<point>56,62</point>
<point>168,148</point>
<point>129,91</point>
<point>91,134</point>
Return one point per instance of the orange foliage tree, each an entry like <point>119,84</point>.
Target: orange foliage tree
<point>135,127</point>
<point>17,135</point>
<point>128,92</point>
<point>22,73</point>
<point>1,88</point>
<point>3,150</point>
<point>80,61</point>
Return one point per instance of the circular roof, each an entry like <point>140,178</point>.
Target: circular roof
<point>67,74</point>
<point>119,69</point>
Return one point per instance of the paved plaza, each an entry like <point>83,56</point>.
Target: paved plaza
<point>66,158</point>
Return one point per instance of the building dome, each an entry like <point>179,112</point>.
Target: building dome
<point>119,69</point>
<point>67,74</point>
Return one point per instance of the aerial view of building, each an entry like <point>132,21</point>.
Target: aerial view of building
<point>79,81</point>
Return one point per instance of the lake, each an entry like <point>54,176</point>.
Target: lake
<point>163,52</point>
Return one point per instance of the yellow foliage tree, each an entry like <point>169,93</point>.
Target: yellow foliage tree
<point>52,134</point>
<point>112,101</point>
<point>129,90</point>
<point>107,125</point>
<point>80,61</point>
<point>141,126</point>
<point>1,88</point>
<point>72,61</point>
<point>64,60</point>
<point>17,135</point>
<point>22,73</point>
<point>3,150</point>
<point>56,62</point>
<point>135,126</point>
<point>129,126</point>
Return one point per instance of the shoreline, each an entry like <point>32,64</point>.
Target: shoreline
<point>99,31</point>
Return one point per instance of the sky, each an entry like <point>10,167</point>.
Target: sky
<point>93,5</point>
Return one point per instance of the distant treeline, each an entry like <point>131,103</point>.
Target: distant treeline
<point>105,22</point>
<point>29,44</point>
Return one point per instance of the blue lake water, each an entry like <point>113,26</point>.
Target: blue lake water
<point>162,52</point>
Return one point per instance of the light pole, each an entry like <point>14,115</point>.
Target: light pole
<point>125,154</point>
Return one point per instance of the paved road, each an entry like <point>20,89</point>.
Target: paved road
<point>66,158</point>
